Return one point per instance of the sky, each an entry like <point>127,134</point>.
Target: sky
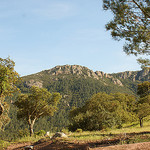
<point>41,34</point>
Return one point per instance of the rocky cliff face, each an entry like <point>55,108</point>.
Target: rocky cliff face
<point>116,78</point>
<point>75,70</point>
<point>33,82</point>
<point>143,75</point>
<point>82,71</point>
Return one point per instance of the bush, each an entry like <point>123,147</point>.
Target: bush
<point>79,130</point>
<point>40,133</point>
<point>23,133</point>
<point>3,144</point>
<point>65,130</point>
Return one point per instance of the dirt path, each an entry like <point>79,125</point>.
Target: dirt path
<point>18,146</point>
<point>137,146</point>
<point>58,145</point>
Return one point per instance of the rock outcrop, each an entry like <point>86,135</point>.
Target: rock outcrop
<point>59,135</point>
<point>34,83</point>
<point>82,71</point>
<point>143,75</point>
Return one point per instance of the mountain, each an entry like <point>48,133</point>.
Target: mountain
<point>117,82</point>
<point>40,79</point>
<point>143,75</point>
<point>77,84</point>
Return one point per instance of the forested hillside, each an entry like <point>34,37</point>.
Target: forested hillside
<point>76,84</point>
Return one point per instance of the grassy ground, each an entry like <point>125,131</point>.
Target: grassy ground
<point>130,133</point>
<point>4,144</point>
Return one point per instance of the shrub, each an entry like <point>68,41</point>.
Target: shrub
<point>65,130</point>
<point>40,133</point>
<point>79,130</point>
<point>23,133</point>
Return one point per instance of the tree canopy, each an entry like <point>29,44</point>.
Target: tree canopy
<point>131,22</point>
<point>38,103</point>
<point>143,103</point>
<point>8,78</point>
<point>143,89</point>
<point>102,111</point>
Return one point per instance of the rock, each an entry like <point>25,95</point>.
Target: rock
<point>60,134</point>
<point>99,74</point>
<point>117,82</point>
<point>29,147</point>
<point>32,82</point>
<point>47,133</point>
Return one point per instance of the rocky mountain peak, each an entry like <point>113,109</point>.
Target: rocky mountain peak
<point>81,71</point>
<point>75,70</point>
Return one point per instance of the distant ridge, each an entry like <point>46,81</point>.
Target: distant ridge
<point>81,71</point>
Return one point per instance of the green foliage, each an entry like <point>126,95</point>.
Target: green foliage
<point>79,131</point>
<point>3,144</point>
<point>145,63</point>
<point>143,103</point>
<point>40,133</point>
<point>143,89</point>
<point>23,133</point>
<point>131,22</point>
<point>102,111</point>
<point>65,130</point>
<point>8,78</point>
<point>38,103</point>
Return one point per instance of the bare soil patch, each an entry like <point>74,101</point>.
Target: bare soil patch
<point>65,145</point>
<point>18,146</point>
<point>137,146</point>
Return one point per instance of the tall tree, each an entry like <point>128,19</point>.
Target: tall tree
<point>131,22</point>
<point>38,103</point>
<point>8,78</point>
<point>143,103</point>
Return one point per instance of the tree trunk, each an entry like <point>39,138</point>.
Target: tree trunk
<point>1,109</point>
<point>31,124</point>
<point>141,122</point>
<point>31,129</point>
<point>1,105</point>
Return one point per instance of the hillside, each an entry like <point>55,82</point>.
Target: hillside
<point>76,84</point>
<point>64,75</point>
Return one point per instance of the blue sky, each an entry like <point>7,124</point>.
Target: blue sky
<point>41,34</point>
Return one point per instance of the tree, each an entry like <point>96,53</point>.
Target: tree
<point>143,89</point>
<point>102,111</point>
<point>38,103</point>
<point>131,22</point>
<point>143,103</point>
<point>8,78</point>
<point>143,110</point>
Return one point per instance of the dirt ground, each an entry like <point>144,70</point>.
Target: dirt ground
<point>66,145</point>
<point>137,146</point>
